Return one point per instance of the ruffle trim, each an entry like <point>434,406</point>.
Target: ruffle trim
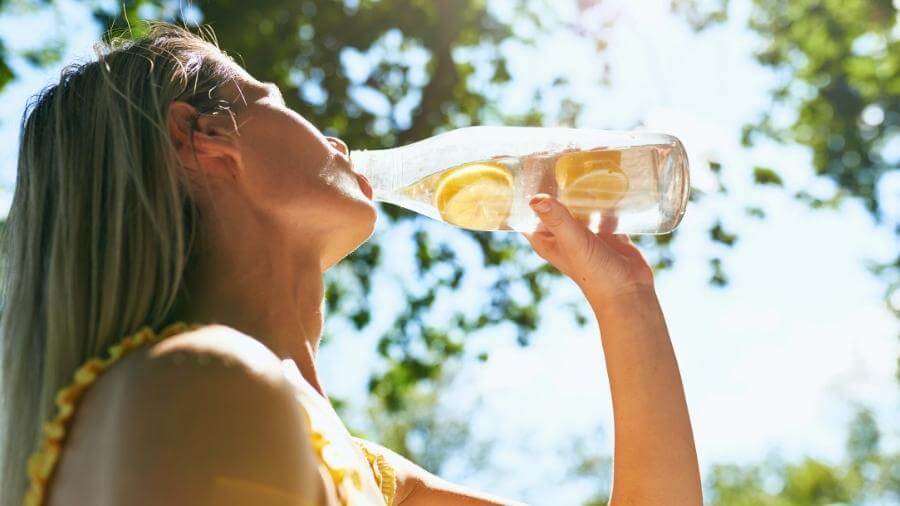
<point>343,475</point>
<point>384,473</point>
<point>42,462</point>
<point>337,472</point>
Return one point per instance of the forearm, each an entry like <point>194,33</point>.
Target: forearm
<point>655,461</point>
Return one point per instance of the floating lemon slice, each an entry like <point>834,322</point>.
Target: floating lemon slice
<point>572,166</point>
<point>591,181</point>
<point>594,191</point>
<point>475,195</point>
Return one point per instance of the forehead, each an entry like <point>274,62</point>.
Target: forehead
<point>243,89</point>
<point>240,85</point>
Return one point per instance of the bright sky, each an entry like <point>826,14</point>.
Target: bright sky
<point>773,362</point>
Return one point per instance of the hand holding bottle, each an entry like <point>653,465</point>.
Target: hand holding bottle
<point>603,265</point>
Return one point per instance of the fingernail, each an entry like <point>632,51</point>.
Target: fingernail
<point>541,205</point>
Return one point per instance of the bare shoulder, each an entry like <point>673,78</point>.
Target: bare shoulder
<point>216,345</point>
<point>205,417</point>
<point>212,364</point>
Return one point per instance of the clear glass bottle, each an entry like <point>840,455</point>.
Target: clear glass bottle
<point>482,178</point>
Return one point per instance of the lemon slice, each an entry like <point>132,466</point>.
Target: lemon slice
<point>475,195</point>
<point>598,190</point>
<point>591,181</point>
<point>572,166</point>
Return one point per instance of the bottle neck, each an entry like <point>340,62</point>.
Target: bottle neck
<point>382,167</point>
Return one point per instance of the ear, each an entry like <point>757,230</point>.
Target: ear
<point>205,144</point>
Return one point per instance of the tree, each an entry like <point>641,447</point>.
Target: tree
<point>431,432</point>
<point>866,476</point>
<point>6,74</point>
<point>841,62</point>
<point>42,53</point>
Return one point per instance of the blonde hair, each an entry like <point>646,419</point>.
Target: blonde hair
<point>101,224</point>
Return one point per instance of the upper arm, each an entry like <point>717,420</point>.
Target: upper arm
<point>418,487</point>
<point>435,491</point>
<point>209,419</point>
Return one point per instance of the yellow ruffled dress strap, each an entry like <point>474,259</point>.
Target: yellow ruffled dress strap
<point>384,473</point>
<point>42,462</point>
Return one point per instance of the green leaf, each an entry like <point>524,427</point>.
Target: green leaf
<point>718,234</point>
<point>718,278</point>
<point>6,73</point>
<point>762,175</point>
<point>755,212</point>
<point>46,55</point>
<point>360,319</point>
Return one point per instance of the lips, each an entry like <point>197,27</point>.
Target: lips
<point>365,185</point>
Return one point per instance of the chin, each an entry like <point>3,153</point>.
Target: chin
<point>355,230</point>
<point>366,220</point>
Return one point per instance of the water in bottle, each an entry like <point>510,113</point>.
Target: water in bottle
<point>482,178</point>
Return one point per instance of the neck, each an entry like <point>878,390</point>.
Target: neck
<point>269,293</point>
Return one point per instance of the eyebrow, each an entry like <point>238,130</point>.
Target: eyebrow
<point>274,87</point>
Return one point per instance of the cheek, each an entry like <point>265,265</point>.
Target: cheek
<point>293,184</point>
<point>280,184</point>
<point>282,161</point>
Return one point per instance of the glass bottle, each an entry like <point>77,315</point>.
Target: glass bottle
<point>482,178</point>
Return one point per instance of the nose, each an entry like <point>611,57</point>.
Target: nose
<point>341,145</point>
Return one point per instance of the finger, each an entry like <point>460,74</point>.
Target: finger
<point>558,220</point>
<point>539,229</point>
<point>608,223</point>
<point>607,228</point>
<point>539,234</point>
<point>541,244</point>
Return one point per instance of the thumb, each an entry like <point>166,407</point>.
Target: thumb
<point>557,219</point>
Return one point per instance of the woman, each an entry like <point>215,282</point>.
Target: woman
<point>164,184</point>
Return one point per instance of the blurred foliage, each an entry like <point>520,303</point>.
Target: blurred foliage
<point>46,53</point>
<point>839,60</point>
<point>842,77</point>
<point>432,431</point>
<point>866,476</point>
<point>701,14</point>
<point>840,66</point>
<point>590,463</point>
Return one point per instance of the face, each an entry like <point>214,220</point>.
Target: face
<point>295,180</point>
